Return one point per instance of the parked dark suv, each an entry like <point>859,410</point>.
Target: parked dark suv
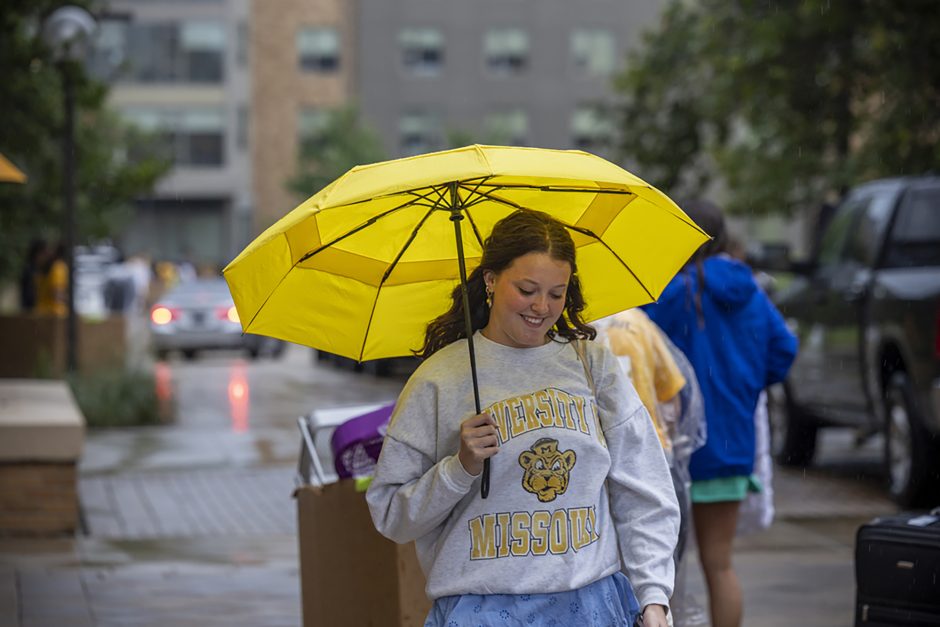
<point>867,311</point>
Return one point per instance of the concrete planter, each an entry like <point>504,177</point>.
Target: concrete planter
<point>35,345</point>
<point>42,433</point>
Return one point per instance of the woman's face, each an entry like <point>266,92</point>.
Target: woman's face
<point>528,298</point>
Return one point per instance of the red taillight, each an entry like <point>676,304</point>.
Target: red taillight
<point>163,315</point>
<point>227,313</point>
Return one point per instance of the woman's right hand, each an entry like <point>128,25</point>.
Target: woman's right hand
<point>478,441</point>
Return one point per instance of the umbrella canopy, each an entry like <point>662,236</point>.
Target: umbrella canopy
<point>9,173</point>
<point>360,268</point>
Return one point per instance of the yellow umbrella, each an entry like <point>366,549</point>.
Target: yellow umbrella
<point>9,173</point>
<point>361,267</point>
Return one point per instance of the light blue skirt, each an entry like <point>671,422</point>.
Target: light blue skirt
<point>608,602</point>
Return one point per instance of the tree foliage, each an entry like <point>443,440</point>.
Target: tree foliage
<point>780,104</point>
<point>31,107</point>
<point>341,143</point>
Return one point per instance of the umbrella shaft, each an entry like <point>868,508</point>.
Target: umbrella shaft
<point>456,217</point>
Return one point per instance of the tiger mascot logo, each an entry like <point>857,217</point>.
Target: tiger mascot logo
<point>546,469</point>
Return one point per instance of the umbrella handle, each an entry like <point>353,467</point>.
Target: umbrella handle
<point>456,216</point>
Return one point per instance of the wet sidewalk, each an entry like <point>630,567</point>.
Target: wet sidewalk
<point>195,525</point>
<point>218,547</point>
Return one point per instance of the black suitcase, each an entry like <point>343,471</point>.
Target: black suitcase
<point>897,571</point>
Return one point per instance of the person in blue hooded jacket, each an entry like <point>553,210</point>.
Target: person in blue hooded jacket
<point>738,344</point>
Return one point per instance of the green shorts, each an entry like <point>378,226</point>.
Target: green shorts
<point>724,489</point>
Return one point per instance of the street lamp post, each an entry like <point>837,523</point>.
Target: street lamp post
<point>67,31</point>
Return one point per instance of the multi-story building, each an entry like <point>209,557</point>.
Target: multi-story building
<point>233,86</point>
<point>526,72</point>
<point>181,70</point>
<point>303,62</point>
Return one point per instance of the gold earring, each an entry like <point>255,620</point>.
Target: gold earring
<point>489,297</point>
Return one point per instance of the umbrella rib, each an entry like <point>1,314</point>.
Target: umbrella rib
<point>388,272</point>
<point>310,254</point>
<point>583,231</point>
<point>550,188</point>
<point>416,197</point>
<point>440,190</point>
<point>489,195</point>
<point>402,192</point>
<point>472,203</point>
<point>591,233</point>
<point>362,226</point>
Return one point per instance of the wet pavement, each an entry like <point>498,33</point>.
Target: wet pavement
<point>193,523</point>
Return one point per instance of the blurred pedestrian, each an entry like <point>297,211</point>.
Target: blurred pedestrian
<point>186,270</point>
<point>53,285</point>
<point>580,481</point>
<point>738,344</point>
<point>31,273</point>
<point>757,508</point>
<point>167,277</point>
<point>645,358</point>
<point>666,383</point>
<point>139,268</point>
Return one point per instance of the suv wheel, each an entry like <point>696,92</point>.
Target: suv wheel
<point>909,462</point>
<point>793,432</point>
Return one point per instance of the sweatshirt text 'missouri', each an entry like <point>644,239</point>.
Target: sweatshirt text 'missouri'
<point>546,525</point>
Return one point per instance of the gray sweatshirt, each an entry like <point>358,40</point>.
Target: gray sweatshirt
<point>549,523</point>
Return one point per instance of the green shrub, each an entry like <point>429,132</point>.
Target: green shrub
<point>119,398</point>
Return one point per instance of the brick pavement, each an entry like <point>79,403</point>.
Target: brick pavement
<point>217,545</point>
<point>189,503</point>
<point>226,501</point>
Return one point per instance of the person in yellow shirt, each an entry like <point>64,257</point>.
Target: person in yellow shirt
<point>52,285</point>
<point>633,337</point>
<point>665,383</point>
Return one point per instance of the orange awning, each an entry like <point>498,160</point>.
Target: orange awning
<point>9,173</point>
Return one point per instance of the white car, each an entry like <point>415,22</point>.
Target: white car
<point>200,315</point>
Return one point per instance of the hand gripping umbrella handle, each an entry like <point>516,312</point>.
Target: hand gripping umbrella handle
<point>456,216</point>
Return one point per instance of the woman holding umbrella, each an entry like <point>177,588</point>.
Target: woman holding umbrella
<point>582,521</point>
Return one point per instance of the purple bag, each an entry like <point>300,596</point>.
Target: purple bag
<point>357,442</point>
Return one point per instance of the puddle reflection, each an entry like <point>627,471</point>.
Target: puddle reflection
<point>238,397</point>
<point>163,387</point>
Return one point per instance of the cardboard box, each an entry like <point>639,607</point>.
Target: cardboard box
<point>349,573</point>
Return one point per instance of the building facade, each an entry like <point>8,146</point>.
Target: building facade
<point>180,71</point>
<point>434,74</point>
<point>232,87</point>
<point>303,65</point>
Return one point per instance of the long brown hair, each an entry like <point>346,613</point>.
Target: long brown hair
<point>711,220</point>
<point>522,232</point>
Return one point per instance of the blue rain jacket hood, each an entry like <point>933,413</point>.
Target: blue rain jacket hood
<point>738,346</point>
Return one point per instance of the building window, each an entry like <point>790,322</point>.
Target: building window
<point>153,52</point>
<point>593,52</point>
<point>109,52</point>
<point>418,132</point>
<point>202,45</point>
<point>590,128</point>
<point>171,52</point>
<point>310,124</point>
<point>241,128</point>
<point>506,51</point>
<point>507,127</point>
<point>242,43</point>
<point>318,49</point>
<point>189,137</point>
<point>422,51</point>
